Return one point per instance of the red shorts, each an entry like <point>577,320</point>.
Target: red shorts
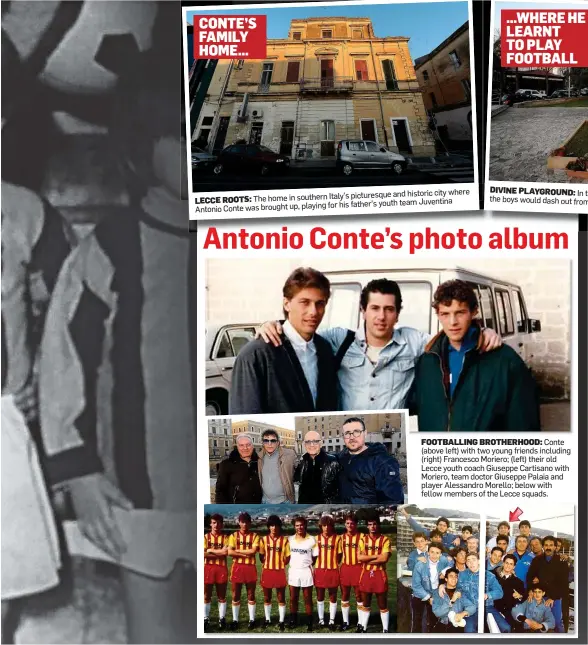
<point>215,574</point>
<point>273,578</point>
<point>375,581</point>
<point>326,578</point>
<point>350,575</point>
<point>243,573</point>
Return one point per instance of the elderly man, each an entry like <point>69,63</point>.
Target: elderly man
<point>317,472</point>
<point>238,477</point>
<point>369,474</point>
<point>276,470</point>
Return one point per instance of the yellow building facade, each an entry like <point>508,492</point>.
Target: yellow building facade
<point>329,79</point>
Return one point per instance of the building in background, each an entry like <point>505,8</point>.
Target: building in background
<point>387,428</point>
<point>444,77</point>
<point>330,79</point>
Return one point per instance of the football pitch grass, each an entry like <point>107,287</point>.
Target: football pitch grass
<point>374,626</point>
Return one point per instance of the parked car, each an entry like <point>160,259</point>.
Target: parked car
<point>563,94</point>
<point>250,157</point>
<point>201,159</point>
<point>502,304</point>
<point>223,343</point>
<point>529,95</point>
<point>584,91</point>
<point>512,98</point>
<point>357,154</point>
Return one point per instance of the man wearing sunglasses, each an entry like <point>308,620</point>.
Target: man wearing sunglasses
<point>369,474</point>
<point>317,472</point>
<point>276,470</point>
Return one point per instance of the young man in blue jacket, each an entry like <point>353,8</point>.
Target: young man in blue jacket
<point>420,553</point>
<point>369,475</point>
<point>534,615</point>
<point>451,608</point>
<point>425,581</point>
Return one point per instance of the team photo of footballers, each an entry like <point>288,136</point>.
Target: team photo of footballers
<point>340,559</point>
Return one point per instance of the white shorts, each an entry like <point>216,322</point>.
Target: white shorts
<point>300,577</point>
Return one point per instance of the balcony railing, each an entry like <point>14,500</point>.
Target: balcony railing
<point>330,84</point>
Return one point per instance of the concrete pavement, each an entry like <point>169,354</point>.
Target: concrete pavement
<point>521,140</point>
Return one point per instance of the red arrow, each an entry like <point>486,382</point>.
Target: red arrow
<point>514,516</point>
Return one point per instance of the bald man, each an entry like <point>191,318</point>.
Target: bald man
<point>317,473</point>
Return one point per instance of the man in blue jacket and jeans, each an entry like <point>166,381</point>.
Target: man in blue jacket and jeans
<point>369,475</point>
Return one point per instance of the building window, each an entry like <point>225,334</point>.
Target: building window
<point>361,70</point>
<point>454,58</point>
<point>433,99</point>
<point>266,76</point>
<point>327,33</point>
<point>467,89</point>
<point>357,33</point>
<point>293,71</point>
<point>205,128</point>
<point>425,75</point>
<point>297,35</point>
<point>256,131</point>
<point>390,74</point>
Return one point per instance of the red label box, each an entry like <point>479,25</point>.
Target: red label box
<point>218,37</point>
<point>544,38</point>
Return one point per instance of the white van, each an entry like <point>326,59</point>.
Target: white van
<point>502,304</point>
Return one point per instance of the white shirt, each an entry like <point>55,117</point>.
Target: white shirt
<point>301,551</point>
<point>434,574</point>
<point>306,354</point>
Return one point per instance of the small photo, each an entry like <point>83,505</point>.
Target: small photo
<point>539,114</point>
<point>476,346</point>
<point>438,570</point>
<point>352,458</point>
<point>531,556</point>
<point>287,569</point>
<point>365,95</point>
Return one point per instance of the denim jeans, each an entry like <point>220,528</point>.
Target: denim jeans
<point>501,621</point>
<point>471,624</point>
<point>556,610</point>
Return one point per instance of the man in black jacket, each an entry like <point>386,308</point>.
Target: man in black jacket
<point>300,374</point>
<point>238,476</point>
<point>317,472</point>
<point>549,570</point>
<point>513,593</point>
<point>369,474</point>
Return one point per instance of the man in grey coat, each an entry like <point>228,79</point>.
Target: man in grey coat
<point>276,470</point>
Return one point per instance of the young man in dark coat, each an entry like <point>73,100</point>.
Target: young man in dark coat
<point>513,593</point>
<point>238,475</point>
<point>300,374</point>
<point>317,472</point>
<point>459,388</point>
<point>369,475</point>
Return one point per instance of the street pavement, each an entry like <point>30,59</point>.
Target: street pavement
<point>522,138</point>
<point>424,171</point>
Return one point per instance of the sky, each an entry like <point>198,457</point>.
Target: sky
<point>427,24</point>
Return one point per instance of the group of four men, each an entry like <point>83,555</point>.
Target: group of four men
<point>353,560</point>
<point>525,586</point>
<point>362,473</point>
<point>461,379</point>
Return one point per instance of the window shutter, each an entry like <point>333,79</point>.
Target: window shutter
<point>293,71</point>
<point>361,70</point>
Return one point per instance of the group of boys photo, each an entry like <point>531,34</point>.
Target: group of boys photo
<point>362,473</point>
<point>526,579</point>
<point>461,379</point>
<point>324,564</point>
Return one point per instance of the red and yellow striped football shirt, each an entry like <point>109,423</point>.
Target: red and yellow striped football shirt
<point>375,545</point>
<point>212,541</point>
<point>243,542</point>
<point>328,548</point>
<point>350,544</point>
<point>275,550</point>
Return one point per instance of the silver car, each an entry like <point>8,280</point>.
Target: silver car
<point>223,343</point>
<point>201,159</point>
<point>357,154</point>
